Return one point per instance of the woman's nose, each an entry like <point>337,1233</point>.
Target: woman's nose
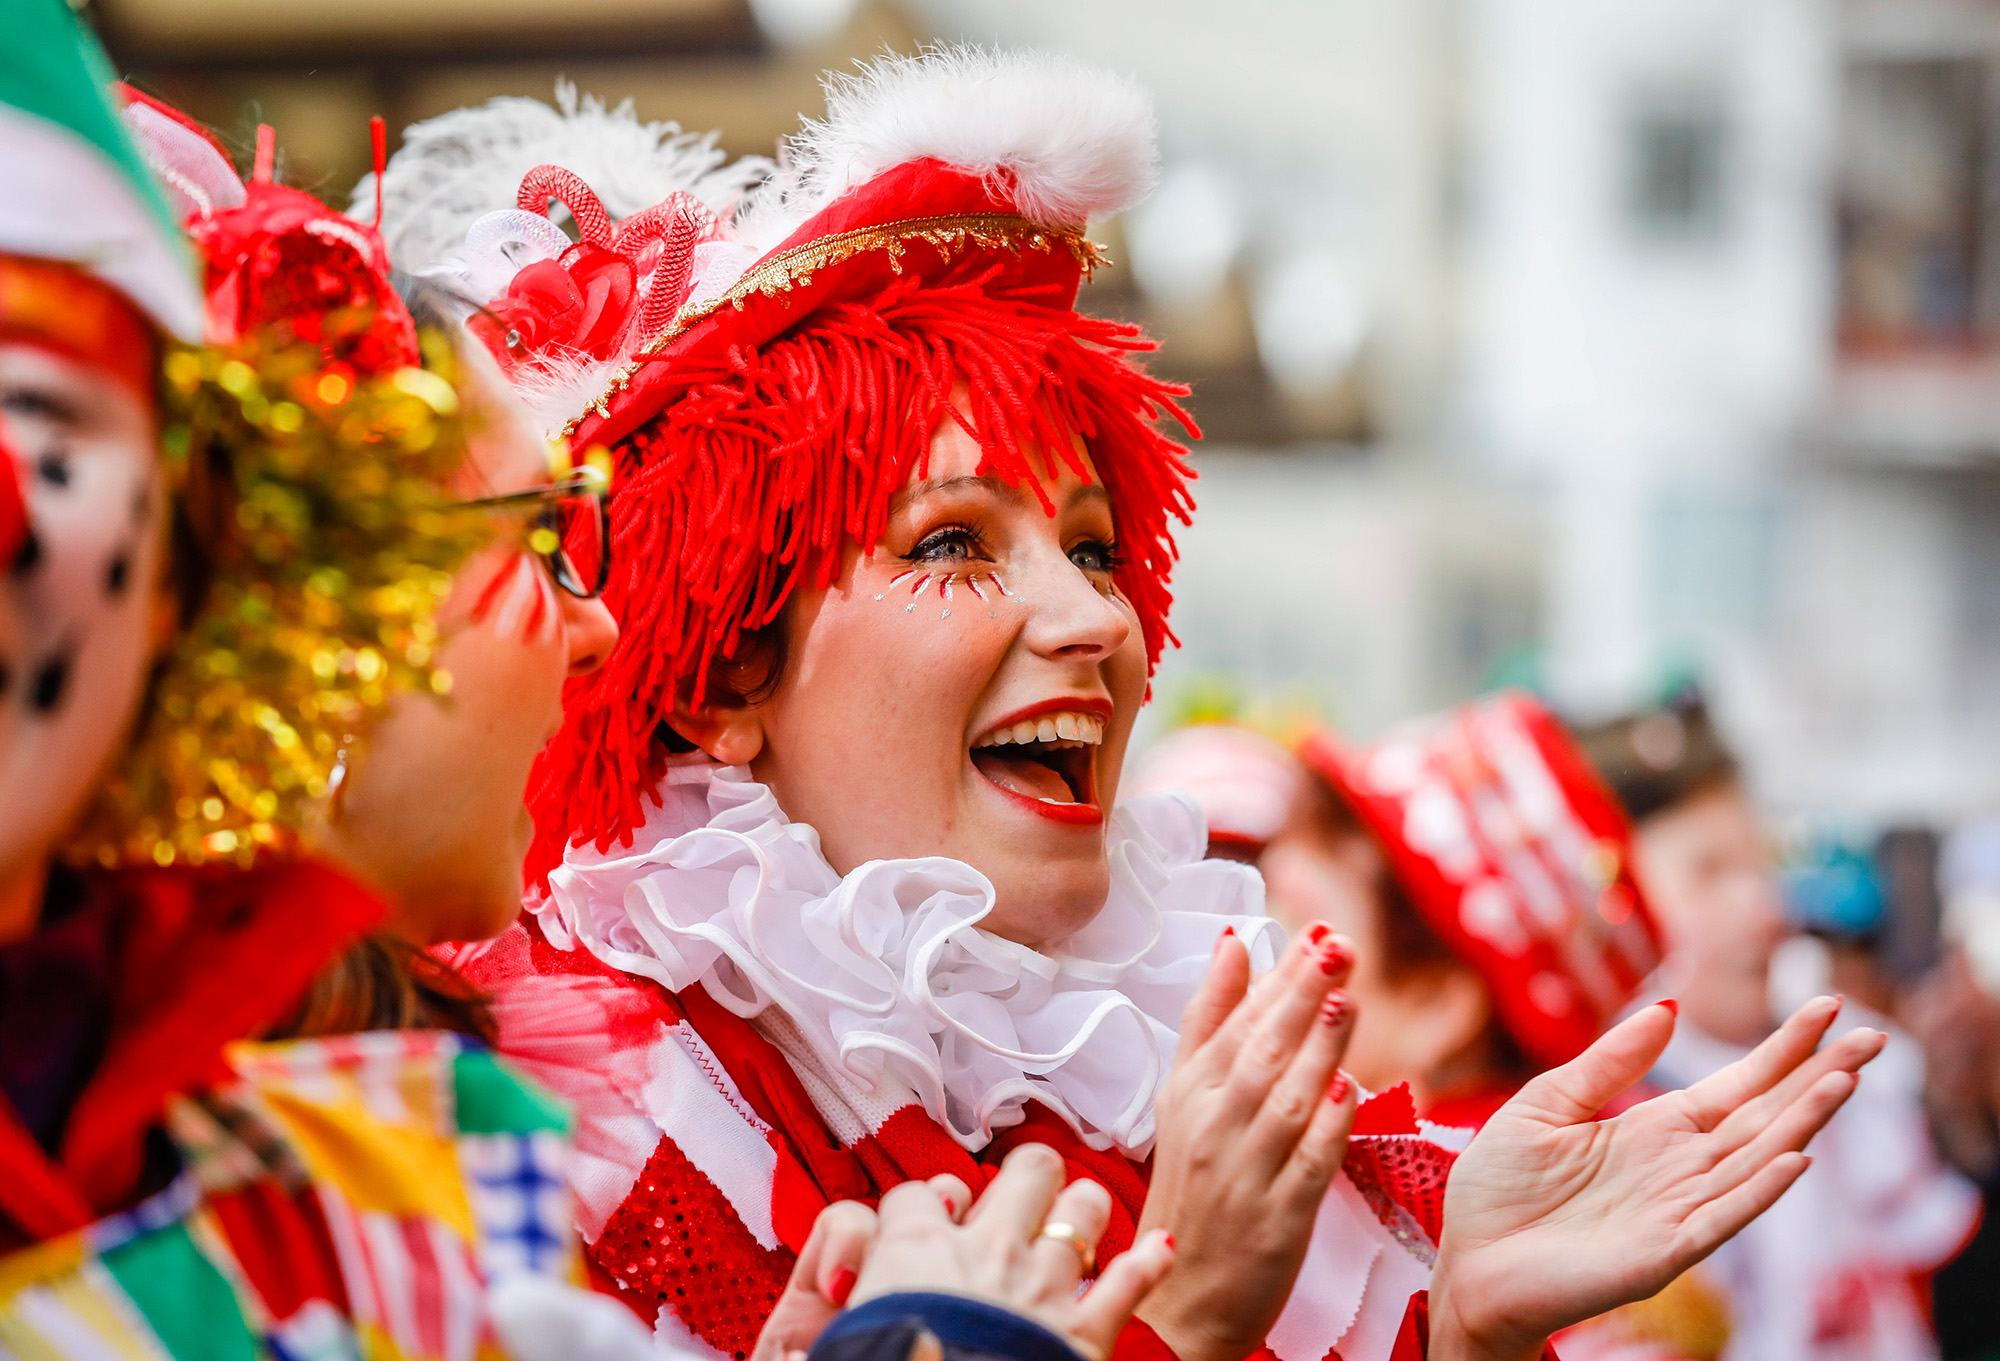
<point>591,632</point>
<point>1072,618</point>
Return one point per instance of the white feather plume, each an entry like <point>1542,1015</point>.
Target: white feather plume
<point>1063,140</point>
<point>1066,140</point>
<point>558,388</point>
<point>453,169</point>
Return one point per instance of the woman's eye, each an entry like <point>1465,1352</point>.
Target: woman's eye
<point>35,404</point>
<point>1094,555</point>
<point>956,544</point>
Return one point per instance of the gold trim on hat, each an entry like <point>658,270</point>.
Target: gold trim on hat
<point>782,273</point>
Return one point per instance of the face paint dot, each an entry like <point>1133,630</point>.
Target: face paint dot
<point>908,608</point>
<point>117,574</point>
<point>51,682</point>
<point>53,468</point>
<point>946,614</point>
<point>878,595</point>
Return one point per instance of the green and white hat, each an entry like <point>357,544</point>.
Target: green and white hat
<point>77,190</point>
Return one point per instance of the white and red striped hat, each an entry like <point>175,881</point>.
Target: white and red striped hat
<point>1516,854</point>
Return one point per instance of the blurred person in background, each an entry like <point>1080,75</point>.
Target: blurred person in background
<point>1839,1268</point>
<point>1954,1013</point>
<point>1484,873</point>
<point>193,529</point>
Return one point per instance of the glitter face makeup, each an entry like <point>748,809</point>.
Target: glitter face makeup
<point>991,735</point>
<point>947,583</point>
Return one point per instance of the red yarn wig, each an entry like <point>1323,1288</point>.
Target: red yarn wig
<point>770,459</point>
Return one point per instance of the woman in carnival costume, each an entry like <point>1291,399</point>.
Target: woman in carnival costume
<point>285,274</point>
<point>225,563</point>
<point>1485,872</point>
<point>835,897</point>
<point>1507,929</point>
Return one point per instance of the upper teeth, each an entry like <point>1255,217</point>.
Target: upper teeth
<point>1066,726</point>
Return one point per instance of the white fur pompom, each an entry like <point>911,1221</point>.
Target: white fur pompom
<point>1068,140</point>
<point>453,169</point>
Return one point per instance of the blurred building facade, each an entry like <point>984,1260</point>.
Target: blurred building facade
<point>1731,303</point>
<point>1597,342</point>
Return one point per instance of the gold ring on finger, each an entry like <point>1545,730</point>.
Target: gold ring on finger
<point>1066,1233</point>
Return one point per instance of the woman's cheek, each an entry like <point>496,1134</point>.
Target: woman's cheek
<point>519,606</point>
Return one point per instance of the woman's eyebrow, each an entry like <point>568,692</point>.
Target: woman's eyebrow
<point>931,486</point>
<point>1089,491</point>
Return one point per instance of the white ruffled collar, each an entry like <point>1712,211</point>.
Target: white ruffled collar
<point>886,973</point>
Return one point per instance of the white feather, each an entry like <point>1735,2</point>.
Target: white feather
<point>557,389</point>
<point>453,169</point>
<point>1065,140</point>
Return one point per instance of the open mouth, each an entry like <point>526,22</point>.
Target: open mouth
<point>1045,760</point>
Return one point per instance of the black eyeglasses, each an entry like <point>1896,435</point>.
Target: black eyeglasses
<point>572,533</point>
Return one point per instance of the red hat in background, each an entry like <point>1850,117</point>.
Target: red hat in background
<point>1244,781</point>
<point>276,259</point>
<point>1516,854</point>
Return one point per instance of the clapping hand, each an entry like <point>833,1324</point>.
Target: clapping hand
<point>1023,1247</point>
<point>1553,1217</point>
<point>1253,1125</point>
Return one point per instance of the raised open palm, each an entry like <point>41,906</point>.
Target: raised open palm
<point>1552,1217</point>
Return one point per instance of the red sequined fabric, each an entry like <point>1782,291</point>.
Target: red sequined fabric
<point>1400,1173</point>
<point>676,1239</point>
<point>1409,1172</point>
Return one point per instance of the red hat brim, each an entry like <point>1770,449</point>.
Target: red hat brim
<point>920,219</point>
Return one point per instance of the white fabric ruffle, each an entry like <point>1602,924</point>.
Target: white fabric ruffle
<point>886,972</point>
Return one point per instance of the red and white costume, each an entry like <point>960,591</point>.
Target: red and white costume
<point>749,1035</point>
<point>1517,856</point>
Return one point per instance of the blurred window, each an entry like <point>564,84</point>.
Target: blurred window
<point>1914,148</point>
<point>1675,157</point>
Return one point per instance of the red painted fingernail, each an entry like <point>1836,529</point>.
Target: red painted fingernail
<point>1336,1090</point>
<point>1334,1009</point>
<point>1673,1007</point>
<point>1168,1239</point>
<point>1228,930</point>
<point>1335,957</point>
<point>1318,932</point>
<point>840,1287</point>
<point>950,1205</point>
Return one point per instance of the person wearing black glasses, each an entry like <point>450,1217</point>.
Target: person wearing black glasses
<point>429,811</point>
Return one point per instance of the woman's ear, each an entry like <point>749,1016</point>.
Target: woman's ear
<point>728,730</point>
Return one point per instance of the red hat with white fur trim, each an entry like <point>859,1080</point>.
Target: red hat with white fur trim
<point>1519,858</point>
<point>767,365</point>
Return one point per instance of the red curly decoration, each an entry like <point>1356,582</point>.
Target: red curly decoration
<point>679,224</point>
<point>547,182</point>
<point>775,460</point>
